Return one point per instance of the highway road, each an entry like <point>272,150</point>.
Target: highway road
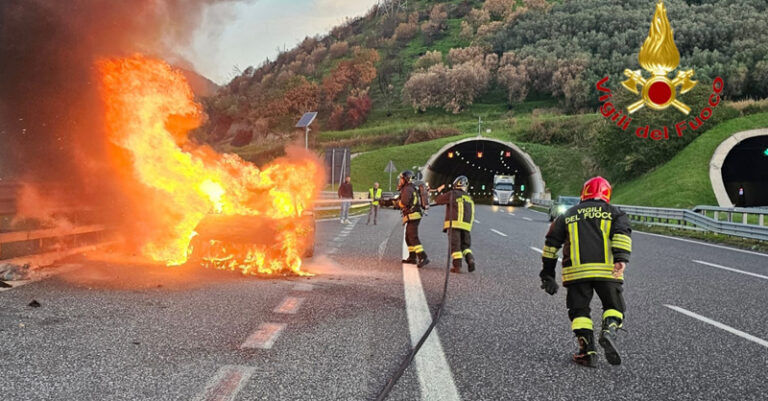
<point>115,329</point>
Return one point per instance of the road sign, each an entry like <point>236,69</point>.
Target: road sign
<point>390,167</point>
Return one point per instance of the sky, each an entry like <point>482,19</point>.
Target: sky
<point>245,34</point>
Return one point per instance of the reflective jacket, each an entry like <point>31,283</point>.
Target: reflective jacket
<point>410,203</point>
<point>461,213</point>
<point>593,235</point>
<point>375,196</point>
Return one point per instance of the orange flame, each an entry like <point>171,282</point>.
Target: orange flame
<point>149,111</point>
<point>659,54</point>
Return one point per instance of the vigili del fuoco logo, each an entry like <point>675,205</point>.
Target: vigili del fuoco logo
<point>658,56</point>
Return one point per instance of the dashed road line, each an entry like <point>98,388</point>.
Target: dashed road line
<point>511,214</point>
<point>227,382</point>
<point>477,221</point>
<point>382,248</point>
<point>265,336</point>
<point>730,269</point>
<point>290,305</point>
<point>500,233</point>
<point>434,373</point>
<point>704,243</point>
<point>719,325</point>
<point>527,219</point>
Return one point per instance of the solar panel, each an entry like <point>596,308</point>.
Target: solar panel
<point>306,119</point>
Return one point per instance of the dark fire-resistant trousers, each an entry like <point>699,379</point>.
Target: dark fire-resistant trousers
<point>412,236</point>
<point>461,241</point>
<point>580,295</point>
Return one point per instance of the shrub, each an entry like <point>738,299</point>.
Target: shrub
<point>339,49</point>
<point>428,60</point>
<point>406,31</point>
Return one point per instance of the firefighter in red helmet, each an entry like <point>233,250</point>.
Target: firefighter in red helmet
<point>596,241</point>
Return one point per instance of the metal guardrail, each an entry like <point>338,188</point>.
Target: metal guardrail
<point>697,219</point>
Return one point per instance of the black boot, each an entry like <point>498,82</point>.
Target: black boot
<point>411,258</point>
<point>608,340</point>
<point>423,259</point>
<point>456,266</point>
<point>586,355</point>
<point>470,263</point>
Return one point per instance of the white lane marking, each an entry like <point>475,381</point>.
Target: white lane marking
<point>227,382</point>
<point>435,377</point>
<point>303,287</point>
<point>539,251</point>
<point>511,214</point>
<point>527,218</point>
<point>704,243</point>
<point>289,305</point>
<point>265,336</point>
<point>536,211</point>
<point>730,269</point>
<point>477,222</point>
<point>719,325</point>
<point>499,232</point>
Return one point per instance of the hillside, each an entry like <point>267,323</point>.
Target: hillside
<point>402,76</point>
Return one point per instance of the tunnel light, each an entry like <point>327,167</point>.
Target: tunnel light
<point>522,187</point>
<point>508,154</point>
<point>766,152</point>
<point>483,187</point>
<point>479,155</point>
<point>450,155</point>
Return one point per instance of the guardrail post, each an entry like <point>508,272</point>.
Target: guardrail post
<point>730,217</point>
<point>761,219</point>
<point>717,215</point>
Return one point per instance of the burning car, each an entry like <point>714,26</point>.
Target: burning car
<point>252,244</point>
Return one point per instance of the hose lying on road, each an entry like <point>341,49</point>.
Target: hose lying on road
<point>384,393</point>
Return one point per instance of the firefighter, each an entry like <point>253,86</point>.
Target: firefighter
<point>459,216</point>
<point>412,204</point>
<point>374,194</point>
<point>596,241</point>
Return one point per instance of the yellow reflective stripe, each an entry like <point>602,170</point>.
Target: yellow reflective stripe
<point>605,227</point>
<point>458,225</point>
<point>467,251</point>
<point>412,216</point>
<point>460,215</point>
<point>411,249</point>
<point>581,323</point>
<point>418,248</point>
<point>472,217</point>
<point>582,276</point>
<point>573,230</point>
<point>456,255</point>
<point>549,252</point>
<point>622,241</point>
<point>588,266</point>
<point>613,313</point>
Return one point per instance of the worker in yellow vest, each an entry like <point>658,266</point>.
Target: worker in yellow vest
<point>374,194</point>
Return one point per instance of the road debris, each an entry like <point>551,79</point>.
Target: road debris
<point>11,272</point>
<point>34,304</point>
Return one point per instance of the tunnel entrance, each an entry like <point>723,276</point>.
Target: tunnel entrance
<point>746,168</point>
<point>480,159</point>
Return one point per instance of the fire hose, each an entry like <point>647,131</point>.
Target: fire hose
<point>384,393</point>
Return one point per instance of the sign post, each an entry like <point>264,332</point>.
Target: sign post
<point>390,169</point>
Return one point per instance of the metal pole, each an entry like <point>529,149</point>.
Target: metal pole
<point>333,167</point>
<point>390,184</point>
<point>306,137</point>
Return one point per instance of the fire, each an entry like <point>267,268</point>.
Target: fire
<point>149,111</point>
<point>659,54</point>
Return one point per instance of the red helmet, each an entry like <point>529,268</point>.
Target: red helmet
<point>597,188</point>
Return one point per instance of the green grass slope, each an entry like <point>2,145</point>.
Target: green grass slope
<point>684,181</point>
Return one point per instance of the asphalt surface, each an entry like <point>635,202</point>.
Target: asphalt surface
<point>115,329</point>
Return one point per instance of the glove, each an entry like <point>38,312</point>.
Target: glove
<point>549,285</point>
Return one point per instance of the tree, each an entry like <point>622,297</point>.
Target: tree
<point>429,59</point>
<point>436,24</point>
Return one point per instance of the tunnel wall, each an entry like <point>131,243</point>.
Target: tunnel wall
<point>718,160</point>
<point>531,171</point>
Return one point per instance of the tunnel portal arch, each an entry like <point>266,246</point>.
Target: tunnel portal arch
<point>741,161</point>
<point>480,159</point>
